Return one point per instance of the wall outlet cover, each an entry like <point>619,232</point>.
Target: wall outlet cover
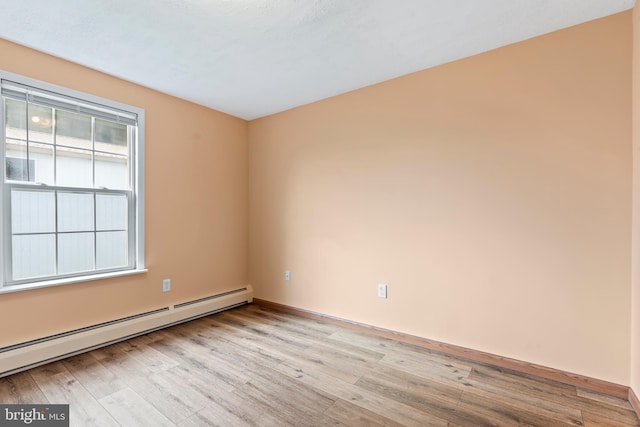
<point>382,290</point>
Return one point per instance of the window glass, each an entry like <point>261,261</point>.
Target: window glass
<point>111,212</point>
<point>41,163</point>
<point>16,119</point>
<point>40,123</point>
<point>33,211</point>
<point>18,167</point>
<point>34,255</point>
<point>112,137</point>
<point>73,130</point>
<point>74,168</point>
<point>111,249</point>
<point>75,252</point>
<point>112,171</point>
<point>69,201</point>
<point>75,212</point>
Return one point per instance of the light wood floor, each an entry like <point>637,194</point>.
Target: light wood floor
<point>257,366</point>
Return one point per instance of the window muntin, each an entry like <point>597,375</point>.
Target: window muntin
<point>72,198</point>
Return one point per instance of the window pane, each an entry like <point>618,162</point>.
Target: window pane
<point>41,163</point>
<point>111,212</point>
<point>81,219</point>
<point>16,148</point>
<point>74,167</point>
<point>111,249</point>
<point>15,113</point>
<point>75,252</point>
<point>40,123</point>
<point>32,211</point>
<point>73,130</point>
<point>112,137</point>
<point>16,136</point>
<point>75,212</point>
<point>18,169</point>
<point>112,171</point>
<point>33,256</point>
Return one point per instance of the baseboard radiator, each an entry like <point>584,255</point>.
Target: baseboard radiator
<point>20,357</point>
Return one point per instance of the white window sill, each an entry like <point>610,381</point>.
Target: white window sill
<point>68,280</point>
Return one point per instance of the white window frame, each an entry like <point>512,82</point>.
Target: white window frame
<point>136,159</point>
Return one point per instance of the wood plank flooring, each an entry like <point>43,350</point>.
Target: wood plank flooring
<point>254,366</point>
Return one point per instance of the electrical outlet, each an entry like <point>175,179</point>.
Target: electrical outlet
<point>382,290</point>
<point>287,275</point>
<point>166,285</point>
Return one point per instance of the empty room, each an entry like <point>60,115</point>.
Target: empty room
<point>320,212</point>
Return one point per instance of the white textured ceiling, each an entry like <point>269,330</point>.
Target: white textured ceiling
<point>251,58</point>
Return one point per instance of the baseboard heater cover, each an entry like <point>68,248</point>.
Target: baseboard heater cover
<point>27,355</point>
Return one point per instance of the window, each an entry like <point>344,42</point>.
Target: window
<point>72,199</point>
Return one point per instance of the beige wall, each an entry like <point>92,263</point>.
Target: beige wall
<point>635,294</point>
<point>492,194</point>
<point>196,208</point>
